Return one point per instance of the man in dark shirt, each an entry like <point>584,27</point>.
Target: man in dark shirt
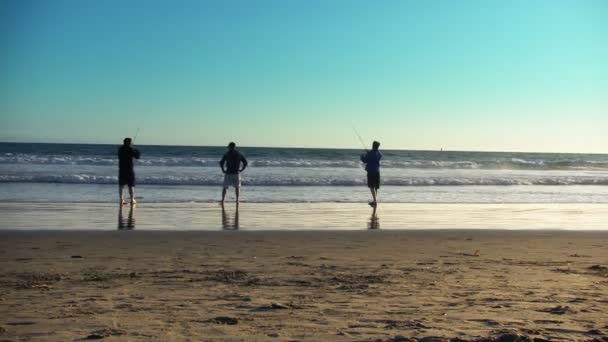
<point>372,166</point>
<point>126,174</point>
<point>233,160</point>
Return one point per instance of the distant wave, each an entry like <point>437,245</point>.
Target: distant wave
<point>293,181</point>
<point>398,162</point>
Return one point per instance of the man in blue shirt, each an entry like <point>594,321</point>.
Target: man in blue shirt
<point>372,166</point>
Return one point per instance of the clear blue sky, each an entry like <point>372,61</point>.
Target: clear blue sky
<point>470,75</point>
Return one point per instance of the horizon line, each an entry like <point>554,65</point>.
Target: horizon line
<point>303,147</point>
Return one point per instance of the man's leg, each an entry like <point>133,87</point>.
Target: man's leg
<point>374,193</point>
<point>237,191</point>
<point>223,194</point>
<point>376,187</point>
<point>120,189</point>
<point>132,193</point>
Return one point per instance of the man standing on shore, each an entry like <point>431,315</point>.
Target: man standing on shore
<point>126,174</point>
<point>372,166</point>
<point>233,160</point>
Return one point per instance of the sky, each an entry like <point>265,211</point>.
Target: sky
<point>521,75</point>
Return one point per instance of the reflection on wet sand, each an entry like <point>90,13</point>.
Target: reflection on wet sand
<point>129,223</point>
<point>229,223</point>
<point>307,216</point>
<point>374,222</point>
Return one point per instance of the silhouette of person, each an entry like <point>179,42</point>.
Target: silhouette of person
<point>372,166</point>
<point>232,177</point>
<point>126,174</point>
<point>228,224</point>
<point>129,223</point>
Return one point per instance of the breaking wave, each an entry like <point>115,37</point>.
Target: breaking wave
<point>398,162</point>
<point>309,181</point>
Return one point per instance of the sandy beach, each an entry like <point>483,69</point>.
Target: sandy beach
<point>374,285</point>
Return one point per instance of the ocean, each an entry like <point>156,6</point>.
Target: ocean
<point>66,173</point>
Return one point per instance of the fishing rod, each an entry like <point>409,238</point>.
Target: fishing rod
<point>360,139</point>
<point>136,133</point>
<point>141,121</point>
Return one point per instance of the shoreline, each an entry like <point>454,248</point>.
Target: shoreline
<point>312,232</point>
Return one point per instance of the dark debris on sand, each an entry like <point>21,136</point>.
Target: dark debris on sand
<point>576,255</point>
<point>358,279</point>
<point>101,334</point>
<point>599,270</point>
<point>21,323</point>
<point>223,320</point>
<point>558,310</point>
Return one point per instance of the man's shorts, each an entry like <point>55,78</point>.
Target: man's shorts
<point>373,180</point>
<point>232,180</point>
<point>126,178</point>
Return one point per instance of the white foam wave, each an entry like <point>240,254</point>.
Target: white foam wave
<point>399,162</point>
<point>309,181</point>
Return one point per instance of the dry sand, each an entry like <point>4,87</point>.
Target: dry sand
<point>304,286</point>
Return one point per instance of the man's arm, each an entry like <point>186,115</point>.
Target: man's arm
<point>364,158</point>
<point>136,154</point>
<point>222,163</point>
<point>244,161</point>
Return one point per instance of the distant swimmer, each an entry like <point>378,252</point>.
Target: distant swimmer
<point>233,160</point>
<point>372,166</point>
<point>126,174</point>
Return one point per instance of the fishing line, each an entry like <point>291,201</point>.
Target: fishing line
<point>136,133</point>
<point>360,139</point>
<point>141,121</point>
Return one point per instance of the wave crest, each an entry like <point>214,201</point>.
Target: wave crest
<point>398,162</point>
<point>291,181</point>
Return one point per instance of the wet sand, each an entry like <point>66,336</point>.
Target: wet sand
<point>302,216</point>
<point>465,285</point>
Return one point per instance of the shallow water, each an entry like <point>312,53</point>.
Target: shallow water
<point>301,216</point>
<point>108,193</point>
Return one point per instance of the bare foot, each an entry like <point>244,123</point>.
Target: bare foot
<point>133,201</point>
<point>122,202</point>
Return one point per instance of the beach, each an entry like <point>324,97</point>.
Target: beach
<point>355,285</point>
<point>464,246</point>
<point>386,171</point>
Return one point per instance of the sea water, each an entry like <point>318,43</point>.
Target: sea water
<point>65,173</point>
<point>74,186</point>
